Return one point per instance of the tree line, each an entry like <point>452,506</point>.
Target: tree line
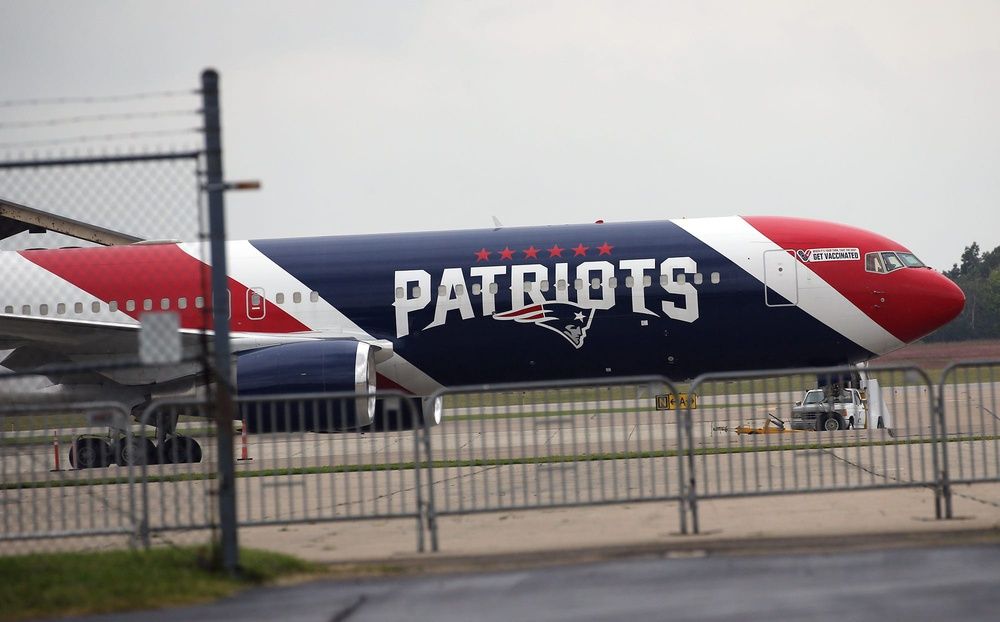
<point>978,275</point>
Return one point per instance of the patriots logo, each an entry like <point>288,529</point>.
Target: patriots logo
<point>569,320</point>
<point>804,255</point>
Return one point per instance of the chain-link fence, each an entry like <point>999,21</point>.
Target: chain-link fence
<point>86,327</point>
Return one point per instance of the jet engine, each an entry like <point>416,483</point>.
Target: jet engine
<point>304,368</point>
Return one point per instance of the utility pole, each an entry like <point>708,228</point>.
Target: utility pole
<point>227,554</point>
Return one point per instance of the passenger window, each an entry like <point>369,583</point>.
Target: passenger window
<point>460,290</point>
<point>442,290</point>
<point>494,288</point>
<point>147,304</point>
<point>95,307</point>
<point>78,307</point>
<point>629,281</point>
<point>613,282</point>
<point>199,302</point>
<point>182,303</point>
<point>698,278</point>
<point>255,299</point>
<point>561,285</point>
<point>8,309</point>
<point>399,296</point>
<point>164,304</point>
<point>682,278</point>
<point>61,308</point>
<point>313,296</point>
<point>297,297</point>
<point>716,277</point>
<point>26,310</point>
<point>279,298</point>
<point>477,289</point>
<point>595,283</point>
<point>544,285</point>
<point>578,284</point>
<point>647,280</point>
<point>528,285</point>
<point>113,306</point>
<point>43,309</point>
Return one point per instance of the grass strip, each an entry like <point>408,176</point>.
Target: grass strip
<point>78,583</point>
<point>485,462</point>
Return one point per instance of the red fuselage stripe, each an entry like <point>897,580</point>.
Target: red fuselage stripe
<point>157,273</point>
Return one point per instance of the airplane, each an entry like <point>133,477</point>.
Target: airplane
<point>416,312</point>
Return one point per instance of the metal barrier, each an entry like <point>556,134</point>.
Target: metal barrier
<point>743,440</point>
<point>313,458</point>
<point>43,493</point>
<point>547,445</point>
<point>970,425</point>
<point>312,464</point>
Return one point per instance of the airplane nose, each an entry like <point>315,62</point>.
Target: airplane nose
<point>952,299</point>
<point>943,301</point>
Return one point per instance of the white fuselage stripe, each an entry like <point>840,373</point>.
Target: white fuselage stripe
<point>254,269</point>
<point>741,243</point>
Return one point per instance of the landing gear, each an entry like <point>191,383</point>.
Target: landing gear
<point>178,449</point>
<point>140,451</point>
<point>90,452</point>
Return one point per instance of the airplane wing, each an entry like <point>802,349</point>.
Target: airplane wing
<point>36,342</point>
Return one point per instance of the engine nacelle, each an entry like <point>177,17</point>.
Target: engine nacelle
<point>303,368</point>
<point>405,413</point>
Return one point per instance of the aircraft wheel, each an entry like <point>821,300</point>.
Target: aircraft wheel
<point>881,424</point>
<point>90,453</point>
<point>141,450</point>
<point>180,449</point>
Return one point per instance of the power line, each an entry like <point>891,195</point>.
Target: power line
<point>116,116</point>
<point>97,99</point>
<point>88,138</point>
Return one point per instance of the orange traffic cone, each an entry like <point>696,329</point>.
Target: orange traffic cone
<point>243,439</point>
<point>55,450</point>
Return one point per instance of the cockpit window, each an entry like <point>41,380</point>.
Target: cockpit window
<point>891,261</point>
<point>888,261</point>
<point>911,260</point>
<point>873,263</point>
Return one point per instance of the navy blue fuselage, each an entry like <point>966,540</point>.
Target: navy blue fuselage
<point>369,277</point>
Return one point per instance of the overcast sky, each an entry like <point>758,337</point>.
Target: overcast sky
<point>367,116</point>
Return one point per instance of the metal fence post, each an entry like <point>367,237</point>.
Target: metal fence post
<point>944,485</point>
<point>425,440</point>
<point>691,498</point>
<point>228,556</point>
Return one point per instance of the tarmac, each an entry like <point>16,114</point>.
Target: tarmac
<point>831,520</point>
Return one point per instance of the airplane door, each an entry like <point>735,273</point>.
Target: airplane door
<point>780,279</point>
<point>256,303</point>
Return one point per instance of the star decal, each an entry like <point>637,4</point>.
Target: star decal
<point>555,251</point>
<point>482,255</point>
<point>506,253</point>
<point>580,250</point>
<point>578,316</point>
<point>605,249</point>
<point>531,252</point>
